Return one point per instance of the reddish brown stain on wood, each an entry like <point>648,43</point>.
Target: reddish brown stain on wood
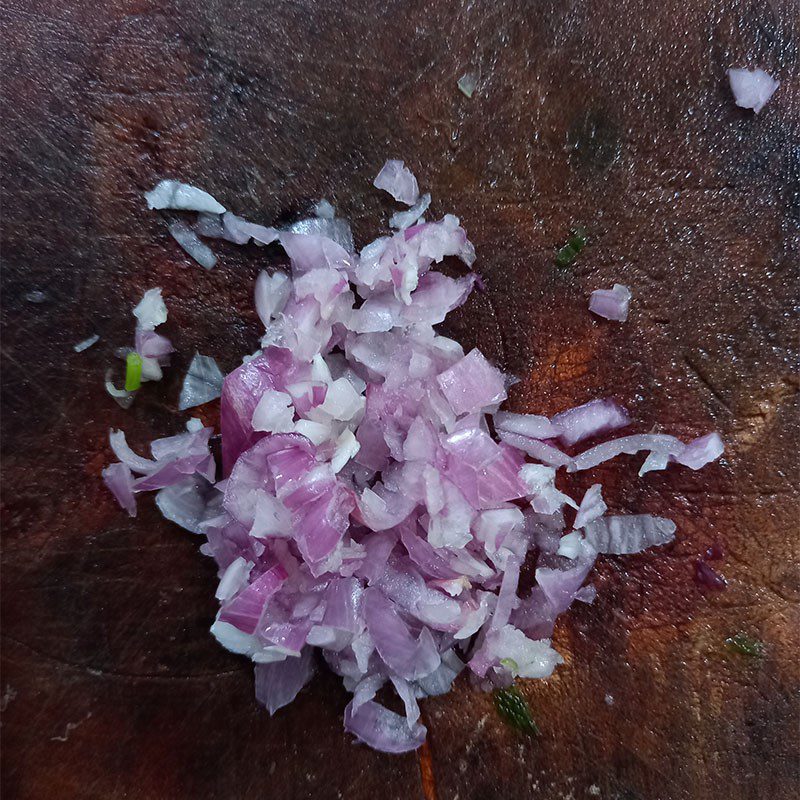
<point>612,115</point>
<point>426,772</point>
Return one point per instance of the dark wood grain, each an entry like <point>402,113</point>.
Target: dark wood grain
<point>615,115</point>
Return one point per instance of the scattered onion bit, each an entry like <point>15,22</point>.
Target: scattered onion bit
<point>752,88</point>
<point>709,577</point>
<point>85,344</point>
<point>467,83</point>
<point>612,303</point>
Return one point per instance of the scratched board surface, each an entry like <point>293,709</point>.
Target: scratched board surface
<point>611,114</point>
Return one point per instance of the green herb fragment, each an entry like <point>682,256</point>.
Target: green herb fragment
<point>578,239</point>
<point>565,256</point>
<point>133,372</point>
<point>510,664</point>
<point>576,242</point>
<point>746,645</point>
<point>514,710</point>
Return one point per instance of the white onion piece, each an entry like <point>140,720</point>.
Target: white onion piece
<point>405,219</point>
<point>271,294</point>
<point>342,401</point>
<point>629,534</point>
<point>441,680</point>
<point>752,88</point>
<point>209,226</point>
<point>530,425</point>
<point>274,412</point>
<point>182,196</point>
<point>272,518</point>
<point>236,641</point>
<point>234,578</point>
<point>541,451</point>
<point>184,504</point>
<point>539,482</point>
<point>592,506</point>
<point>656,460</point>
<point>193,247</point>
<point>405,690</point>
<point>324,210</point>
<point>151,311</point>
<point>586,594</point>
<point>337,230</point>
<point>279,682</point>
<point>569,546</point>
<point>590,419</point>
<point>347,447</point>
<point>122,450</point>
<point>123,398</point>
<point>701,451</point>
<point>526,658</point>
<point>85,344</point>
<point>383,729</point>
<point>240,231</point>
<point>151,369</point>
<point>316,432</point>
<point>655,442</point>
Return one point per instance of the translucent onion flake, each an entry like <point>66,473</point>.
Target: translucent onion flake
<point>203,383</point>
<point>85,344</point>
<point>467,83</point>
<point>188,240</point>
<point>611,303</point>
<point>399,181</point>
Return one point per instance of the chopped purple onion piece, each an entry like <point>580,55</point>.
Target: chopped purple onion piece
<point>707,576</point>
<point>590,419</point>
<point>397,179</point>
<point>611,303</point>
<point>278,682</point>
<point>367,509</point>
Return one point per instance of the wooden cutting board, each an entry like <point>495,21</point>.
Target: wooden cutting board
<point>612,115</point>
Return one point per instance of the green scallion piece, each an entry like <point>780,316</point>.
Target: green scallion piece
<point>576,242</point>
<point>133,372</point>
<point>514,710</point>
<point>746,645</point>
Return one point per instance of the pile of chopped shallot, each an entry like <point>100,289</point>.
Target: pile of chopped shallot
<point>373,502</point>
